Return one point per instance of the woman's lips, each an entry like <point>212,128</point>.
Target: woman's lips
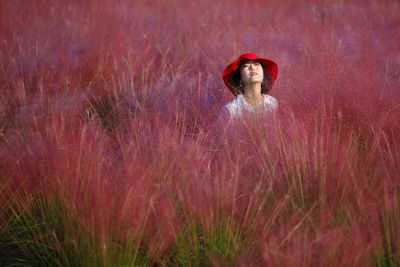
<point>253,73</point>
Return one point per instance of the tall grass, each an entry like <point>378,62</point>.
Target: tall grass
<point>110,154</point>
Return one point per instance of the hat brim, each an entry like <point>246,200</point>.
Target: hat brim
<point>269,66</point>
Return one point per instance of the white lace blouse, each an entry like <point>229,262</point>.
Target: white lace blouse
<point>236,108</point>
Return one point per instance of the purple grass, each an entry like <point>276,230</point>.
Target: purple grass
<point>111,107</point>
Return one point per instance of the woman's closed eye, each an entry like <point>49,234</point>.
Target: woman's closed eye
<point>248,65</point>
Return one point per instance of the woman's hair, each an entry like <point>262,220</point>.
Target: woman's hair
<point>266,84</point>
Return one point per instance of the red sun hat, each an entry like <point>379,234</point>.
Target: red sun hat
<point>270,67</point>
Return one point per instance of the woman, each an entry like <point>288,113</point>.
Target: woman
<point>249,78</point>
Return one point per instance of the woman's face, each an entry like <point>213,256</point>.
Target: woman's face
<point>251,71</point>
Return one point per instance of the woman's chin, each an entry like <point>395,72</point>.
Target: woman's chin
<point>254,81</point>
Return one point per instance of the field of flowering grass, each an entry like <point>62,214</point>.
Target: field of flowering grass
<point>110,154</point>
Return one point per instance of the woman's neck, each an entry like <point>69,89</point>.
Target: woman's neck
<point>252,95</point>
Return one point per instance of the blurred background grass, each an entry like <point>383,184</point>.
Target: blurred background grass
<point>110,155</point>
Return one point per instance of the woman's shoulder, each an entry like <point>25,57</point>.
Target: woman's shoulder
<point>232,106</point>
<point>229,111</point>
<point>270,101</point>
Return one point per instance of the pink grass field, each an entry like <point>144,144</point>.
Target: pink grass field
<point>109,108</point>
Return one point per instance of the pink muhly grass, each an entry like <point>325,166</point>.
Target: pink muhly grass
<point>110,153</point>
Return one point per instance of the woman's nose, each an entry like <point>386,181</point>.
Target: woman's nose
<point>251,67</point>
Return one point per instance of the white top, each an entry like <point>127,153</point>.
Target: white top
<point>238,106</point>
